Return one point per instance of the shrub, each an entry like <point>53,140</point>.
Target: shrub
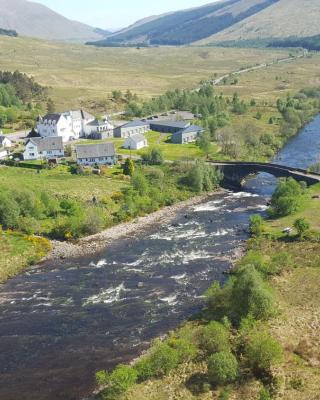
<point>154,156</point>
<point>264,394</point>
<point>302,226</point>
<point>9,211</point>
<point>186,350</point>
<point>257,225</point>
<point>262,352</point>
<point>128,167</point>
<point>222,368</point>
<point>214,338</point>
<point>118,382</point>
<point>162,360</point>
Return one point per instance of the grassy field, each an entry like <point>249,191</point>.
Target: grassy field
<point>171,152</point>
<point>78,74</point>
<point>60,181</point>
<point>276,81</point>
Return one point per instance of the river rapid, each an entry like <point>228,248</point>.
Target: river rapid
<point>62,321</point>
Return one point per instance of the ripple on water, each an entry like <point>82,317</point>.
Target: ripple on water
<point>107,296</point>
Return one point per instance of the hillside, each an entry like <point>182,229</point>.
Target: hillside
<point>221,21</point>
<point>35,20</point>
<point>190,25</point>
<point>285,18</point>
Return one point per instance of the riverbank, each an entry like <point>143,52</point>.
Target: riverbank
<point>276,344</point>
<point>95,243</point>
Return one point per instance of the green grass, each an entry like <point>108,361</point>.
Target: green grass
<point>171,152</point>
<point>60,182</point>
<point>19,251</point>
<point>309,209</point>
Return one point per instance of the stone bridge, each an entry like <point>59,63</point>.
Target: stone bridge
<point>235,172</point>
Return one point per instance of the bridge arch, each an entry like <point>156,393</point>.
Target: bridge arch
<point>235,172</point>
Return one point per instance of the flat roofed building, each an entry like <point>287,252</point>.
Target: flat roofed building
<point>187,135</point>
<point>131,128</point>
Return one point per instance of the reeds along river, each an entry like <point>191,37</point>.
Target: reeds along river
<point>61,322</point>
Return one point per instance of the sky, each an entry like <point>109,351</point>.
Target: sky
<point>116,14</point>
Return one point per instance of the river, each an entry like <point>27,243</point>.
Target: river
<point>61,322</point>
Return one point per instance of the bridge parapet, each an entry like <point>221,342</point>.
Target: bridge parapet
<point>235,172</point>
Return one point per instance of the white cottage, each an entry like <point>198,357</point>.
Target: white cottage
<point>43,148</point>
<point>135,142</point>
<point>69,125</point>
<point>5,142</point>
<point>91,154</point>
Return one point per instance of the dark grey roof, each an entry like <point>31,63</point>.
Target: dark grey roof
<point>192,128</point>
<point>47,143</point>
<point>137,138</point>
<point>95,150</point>
<point>52,117</point>
<point>173,124</point>
<point>33,133</point>
<point>133,124</point>
<point>98,122</point>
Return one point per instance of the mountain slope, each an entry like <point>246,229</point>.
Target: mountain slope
<point>188,26</point>
<point>35,20</point>
<point>285,18</point>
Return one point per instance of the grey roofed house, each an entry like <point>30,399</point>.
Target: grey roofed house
<point>47,143</point>
<point>187,135</point>
<point>97,122</point>
<point>102,153</point>
<point>51,117</point>
<point>132,128</point>
<point>168,126</point>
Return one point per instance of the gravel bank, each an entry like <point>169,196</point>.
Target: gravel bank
<point>95,243</point>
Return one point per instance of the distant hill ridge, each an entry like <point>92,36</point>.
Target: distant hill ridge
<point>35,20</point>
<point>226,20</point>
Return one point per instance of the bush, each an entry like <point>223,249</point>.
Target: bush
<point>222,368</point>
<point>262,352</point>
<point>9,211</point>
<point>302,226</point>
<point>118,382</point>
<point>162,360</point>
<point>286,198</point>
<point>257,225</point>
<point>214,338</point>
<point>154,156</point>
<point>186,350</point>
<point>250,295</point>
<point>128,167</point>
<point>264,394</point>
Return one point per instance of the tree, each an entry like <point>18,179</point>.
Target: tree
<point>286,198</point>
<point>262,352</point>
<point>204,143</point>
<point>139,183</point>
<point>51,108</point>
<point>302,226</point>
<point>128,167</point>
<point>154,156</point>
<point>222,368</point>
